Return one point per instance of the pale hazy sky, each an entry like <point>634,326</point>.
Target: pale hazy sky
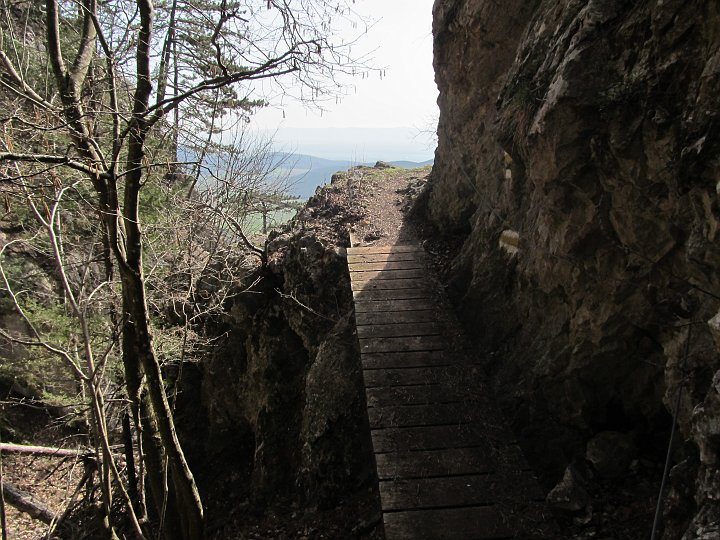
<point>401,42</point>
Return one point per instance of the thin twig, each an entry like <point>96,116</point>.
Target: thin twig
<point>298,302</point>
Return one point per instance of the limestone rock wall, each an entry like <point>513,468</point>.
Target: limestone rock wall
<point>579,147</point>
<point>282,407</point>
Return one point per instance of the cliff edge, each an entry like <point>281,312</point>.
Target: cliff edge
<point>578,162</point>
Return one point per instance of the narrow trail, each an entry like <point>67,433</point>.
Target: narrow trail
<point>447,466</point>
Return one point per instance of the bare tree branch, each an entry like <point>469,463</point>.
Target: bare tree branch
<point>24,89</point>
<point>53,159</point>
<point>86,49</point>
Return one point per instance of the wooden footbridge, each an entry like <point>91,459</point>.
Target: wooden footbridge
<point>447,466</point>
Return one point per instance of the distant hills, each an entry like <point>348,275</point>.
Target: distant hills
<point>301,173</point>
<point>357,144</point>
<point>305,173</point>
<point>412,164</point>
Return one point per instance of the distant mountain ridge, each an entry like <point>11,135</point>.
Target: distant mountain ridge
<point>306,172</point>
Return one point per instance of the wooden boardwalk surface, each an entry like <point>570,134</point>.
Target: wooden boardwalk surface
<point>445,470</point>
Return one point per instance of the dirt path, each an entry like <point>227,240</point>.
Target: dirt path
<point>382,194</point>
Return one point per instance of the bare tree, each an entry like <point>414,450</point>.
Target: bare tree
<point>81,359</point>
<point>106,120</point>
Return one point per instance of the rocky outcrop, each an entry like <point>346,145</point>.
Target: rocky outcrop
<point>282,418</point>
<point>578,152</point>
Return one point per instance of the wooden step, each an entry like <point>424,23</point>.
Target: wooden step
<point>401,344</point>
<point>440,492</point>
<point>411,395</point>
<point>410,376</point>
<point>387,275</point>
<point>393,306</point>
<point>403,283</point>
<point>359,258</point>
<point>471,523</point>
<point>392,265</point>
<point>399,248</point>
<point>419,414</point>
<point>395,317</point>
<point>399,330</point>
<point>406,359</point>
<point>393,294</point>
<point>448,491</point>
<point>426,438</point>
<point>434,463</point>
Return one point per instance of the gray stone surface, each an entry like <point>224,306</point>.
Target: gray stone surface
<point>569,495</point>
<point>610,453</point>
<point>606,115</point>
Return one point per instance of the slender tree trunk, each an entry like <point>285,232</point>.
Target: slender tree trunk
<point>163,495</point>
<point>138,348</point>
<point>157,420</point>
<point>149,442</point>
<point>130,460</point>
<point>3,517</point>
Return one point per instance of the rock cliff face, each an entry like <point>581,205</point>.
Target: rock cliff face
<point>579,146</point>
<point>282,409</point>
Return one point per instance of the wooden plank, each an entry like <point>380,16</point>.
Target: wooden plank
<point>470,490</point>
<point>376,284</point>
<point>404,377</point>
<point>358,258</point>
<point>472,523</point>
<point>411,395</point>
<point>429,463</point>
<point>395,317</point>
<point>388,275</point>
<point>405,359</point>
<point>401,344</point>
<point>436,459</point>
<point>431,414</point>
<point>467,490</point>
<point>393,294</point>
<point>398,248</point>
<point>399,330</point>
<point>396,265</point>
<point>426,438</point>
<point>379,306</point>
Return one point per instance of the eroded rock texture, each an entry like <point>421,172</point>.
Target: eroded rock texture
<point>282,418</point>
<point>578,151</point>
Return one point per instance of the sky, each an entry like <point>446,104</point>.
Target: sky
<point>398,107</point>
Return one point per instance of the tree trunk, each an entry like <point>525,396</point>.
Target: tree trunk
<point>160,440</point>
<point>10,448</point>
<point>133,489</point>
<point>25,502</point>
<point>138,351</point>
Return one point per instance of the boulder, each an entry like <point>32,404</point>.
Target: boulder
<point>610,454</point>
<point>569,495</point>
<point>383,165</point>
